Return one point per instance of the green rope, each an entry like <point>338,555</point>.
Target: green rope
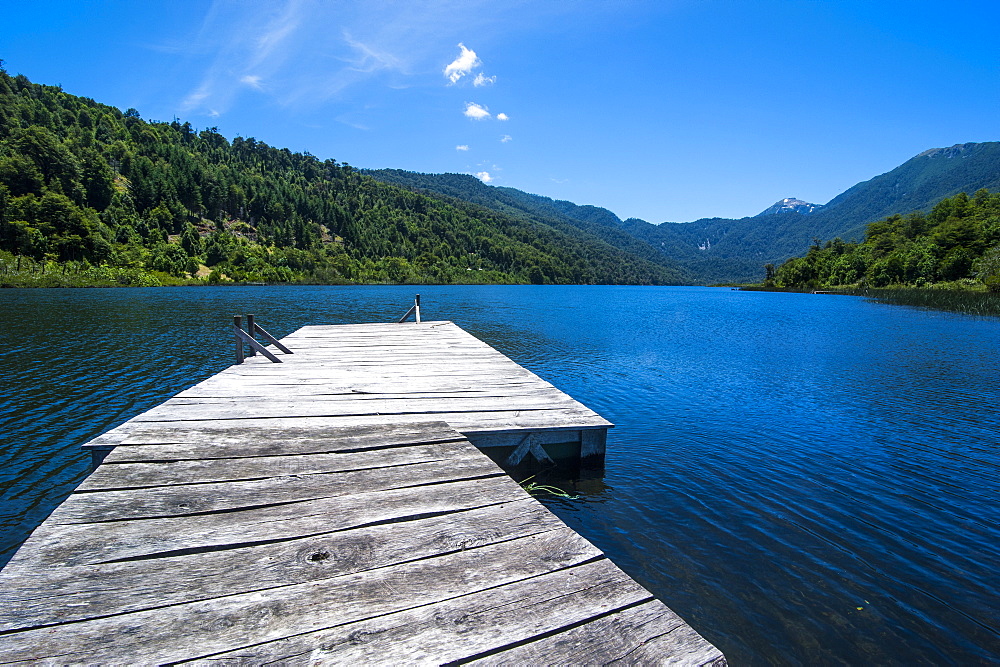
<point>533,488</point>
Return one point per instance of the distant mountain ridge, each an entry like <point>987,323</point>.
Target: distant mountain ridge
<point>714,250</point>
<point>790,205</point>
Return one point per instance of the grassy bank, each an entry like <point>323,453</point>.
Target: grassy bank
<point>967,297</point>
<point>18,271</point>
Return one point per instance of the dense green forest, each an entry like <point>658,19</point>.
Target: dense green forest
<point>955,245</point>
<point>563,215</point>
<point>93,195</point>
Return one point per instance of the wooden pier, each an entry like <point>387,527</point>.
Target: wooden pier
<point>335,508</point>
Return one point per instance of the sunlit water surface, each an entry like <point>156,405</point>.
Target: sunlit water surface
<point>805,479</point>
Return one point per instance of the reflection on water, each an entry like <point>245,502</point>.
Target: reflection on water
<point>804,479</point>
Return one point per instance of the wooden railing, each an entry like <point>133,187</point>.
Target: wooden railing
<point>247,336</point>
<point>414,310</point>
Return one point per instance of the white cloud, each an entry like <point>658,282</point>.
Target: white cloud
<point>461,147</point>
<point>481,80</point>
<point>502,116</point>
<point>252,81</point>
<point>505,138</point>
<point>484,176</point>
<point>476,111</point>
<point>466,61</point>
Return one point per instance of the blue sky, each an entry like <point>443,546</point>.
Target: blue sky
<point>668,110</point>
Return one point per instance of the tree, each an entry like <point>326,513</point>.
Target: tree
<point>987,269</point>
<point>56,163</point>
<point>191,241</point>
<point>768,275</point>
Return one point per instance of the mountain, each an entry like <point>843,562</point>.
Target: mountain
<point>790,205</point>
<point>722,250</point>
<point>915,185</point>
<point>111,198</point>
<point>714,250</point>
<point>565,216</point>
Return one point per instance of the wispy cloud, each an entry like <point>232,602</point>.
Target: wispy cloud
<point>349,121</point>
<point>476,111</point>
<point>466,61</point>
<point>303,54</point>
<point>482,80</point>
<point>461,147</point>
<point>505,138</point>
<point>195,97</point>
<point>371,59</point>
<point>502,116</point>
<point>251,80</point>
<point>254,43</point>
<point>277,32</point>
<point>484,176</point>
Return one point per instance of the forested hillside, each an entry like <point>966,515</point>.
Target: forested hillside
<point>566,216</point>
<point>93,195</point>
<point>956,244</point>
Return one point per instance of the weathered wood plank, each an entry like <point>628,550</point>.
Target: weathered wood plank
<point>236,621</point>
<point>646,634</point>
<point>466,422</point>
<point>327,371</point>
<point>355,383</point>
<point>148,503</point>
<point>461,627</point>
<point>119,476</point>
<point>54,545</point>
<point>243,433</point>
<point>345,392</point>
<point>460,420</point>
<point>180,410</point>
<point>65,594</point>
<point>243,439</point>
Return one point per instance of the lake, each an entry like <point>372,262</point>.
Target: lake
<point>803,478</point>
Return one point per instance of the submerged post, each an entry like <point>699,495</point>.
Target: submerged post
<point>237,327</point>
<point>250,330</point>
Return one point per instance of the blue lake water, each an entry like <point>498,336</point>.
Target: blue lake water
<point>805,479</point>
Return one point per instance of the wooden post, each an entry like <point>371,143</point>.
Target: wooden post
<point>250,330</point>
<point>416,306</point>
<point>237,324</point>
<point>593,443</point>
